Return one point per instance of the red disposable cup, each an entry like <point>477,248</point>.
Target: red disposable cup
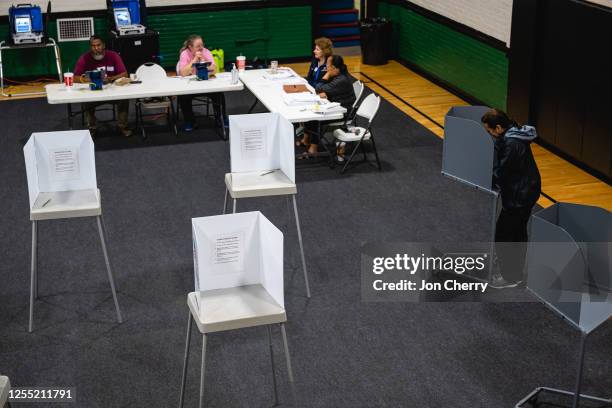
<point>241,62</point>
<point>68,79</point>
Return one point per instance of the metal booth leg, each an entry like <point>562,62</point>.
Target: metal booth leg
<point>202,370</point>
<point>108,266</point>
<point>299,231</point>
<point>289,367</point>
<point>583,337</point>
<point>273,365</point>
<point>234,206</point>
<point>185,360</point>
<point>493,227</point>
<point>575,395</point>
<point>225,200</point>
<point>33,274</point>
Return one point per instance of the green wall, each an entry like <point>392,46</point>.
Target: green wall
<point>468,64</point>
<point>288,30</point>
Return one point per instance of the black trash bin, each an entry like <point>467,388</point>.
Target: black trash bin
<point>375,40</point>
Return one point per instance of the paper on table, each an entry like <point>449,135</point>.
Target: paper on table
<point>301,98</point>
<point>327,107</point>
<point>224,75</point>
<point>65,163</point>
<point>284,74</point>
<point>253,142</point>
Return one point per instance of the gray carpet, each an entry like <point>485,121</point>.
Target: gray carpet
<point>346,353</point>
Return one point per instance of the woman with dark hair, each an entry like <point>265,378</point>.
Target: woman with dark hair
<point>322,50</point>
<point>516,175</point>
<point>335,86</point>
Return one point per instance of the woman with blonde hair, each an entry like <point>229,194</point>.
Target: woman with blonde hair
<point>322,50</point>
<point>192,52</point>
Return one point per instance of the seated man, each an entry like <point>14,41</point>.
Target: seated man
<point>99,57</point>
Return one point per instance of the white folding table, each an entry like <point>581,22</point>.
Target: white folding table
<point>171,86</point>
<point>270,93</point>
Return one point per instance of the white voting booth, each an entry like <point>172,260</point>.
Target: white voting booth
<point>261,143</point>
<point>468,156</point>
<point>238,269</point>
<point>242,250</point>
<point>61,173</point>
<point>263,163</point>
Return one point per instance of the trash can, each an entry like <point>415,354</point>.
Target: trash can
<point>375,39</point>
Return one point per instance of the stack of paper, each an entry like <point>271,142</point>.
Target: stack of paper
<point>327,107</point>
<point>300,99</point>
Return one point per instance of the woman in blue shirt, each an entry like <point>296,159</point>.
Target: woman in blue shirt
<point>322,50</point>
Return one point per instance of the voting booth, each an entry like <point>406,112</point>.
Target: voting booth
<point>259,143</point>
<point>238,250</point>
<point>238,270</point>
<point>263,163</point>
<point>569,270</point>
<point>468,156</point>
<point>61,174</point>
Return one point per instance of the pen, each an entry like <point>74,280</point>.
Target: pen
<point>267,172</point>
<point>46,202</point>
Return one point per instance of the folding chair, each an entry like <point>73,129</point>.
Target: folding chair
<point>150,72</point>
<point>352,133</point>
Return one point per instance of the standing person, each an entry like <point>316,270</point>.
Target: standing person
<point>99,57</point>
<point>516,175</point>
<point>192,52</point>
<point>318,67</point>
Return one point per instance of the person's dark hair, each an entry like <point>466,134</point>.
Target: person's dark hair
<point>495,117</point>
<point>338,62</point>
<point>96,37</point>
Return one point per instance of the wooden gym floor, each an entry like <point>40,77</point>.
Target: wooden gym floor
<point>428,103</point>
<point>561,180</point>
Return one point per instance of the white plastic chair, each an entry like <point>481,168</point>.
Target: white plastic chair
<point>150,72</point>
<point>358,88</point>
<point>61,176</point>
<point>234,292</point>
<point>367,110</point>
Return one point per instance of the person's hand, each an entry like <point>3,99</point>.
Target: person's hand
<point>326,77</point>
<point>197,57</point>
<point>323,95</point>
<point>84,78</point>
